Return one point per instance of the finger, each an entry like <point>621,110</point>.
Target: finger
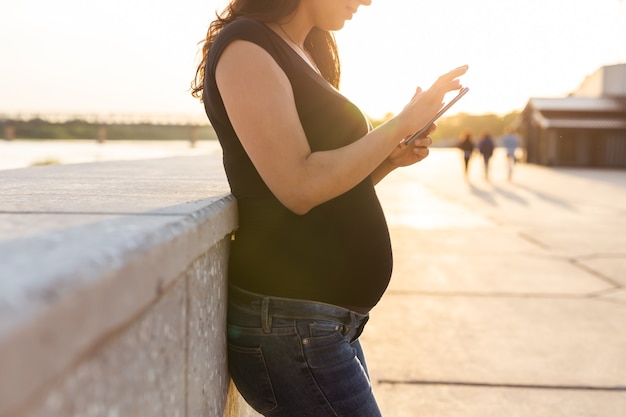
<point>457,72</point>
<point>446,85</point>
<point>418,91</point>
<point>421,152</point>
<point>449,80</point>
<point>423,142</point>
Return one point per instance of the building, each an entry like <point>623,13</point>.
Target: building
<point>586,129</point>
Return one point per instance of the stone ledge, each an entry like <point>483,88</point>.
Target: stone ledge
<point>65,288</point>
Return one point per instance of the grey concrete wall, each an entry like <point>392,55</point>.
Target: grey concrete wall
<point>112,290</point>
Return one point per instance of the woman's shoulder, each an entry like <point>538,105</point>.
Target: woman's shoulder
<point>244,29</point>
<point>253,31</point>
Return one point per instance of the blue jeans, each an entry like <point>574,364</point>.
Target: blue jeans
<point>301,358</point>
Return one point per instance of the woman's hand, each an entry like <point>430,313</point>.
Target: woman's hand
<point>404,155</point>
<point>425,104</point>
<point>415,115</point>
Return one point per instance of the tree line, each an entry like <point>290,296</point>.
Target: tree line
<point>80,129</point>
<point>449,129</point>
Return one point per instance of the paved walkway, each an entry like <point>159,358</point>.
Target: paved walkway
<point>508,298</point>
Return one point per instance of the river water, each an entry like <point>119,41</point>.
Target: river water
<point>25,153</point>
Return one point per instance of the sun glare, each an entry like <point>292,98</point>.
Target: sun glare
<point>536,49</point>
<point>515,51</point>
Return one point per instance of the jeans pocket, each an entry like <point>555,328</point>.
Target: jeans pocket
<point>324,343</point>
<point>321,330</point>
<point>249,373</point>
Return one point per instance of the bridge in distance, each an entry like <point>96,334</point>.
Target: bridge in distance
<point>193,121</point>
<point>178,119</point>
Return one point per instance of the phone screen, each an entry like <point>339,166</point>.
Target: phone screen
<point>445,108</point>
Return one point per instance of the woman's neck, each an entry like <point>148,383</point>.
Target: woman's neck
<point>296,27</point>
<point>294,35</point>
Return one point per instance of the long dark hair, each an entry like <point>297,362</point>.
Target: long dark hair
<point>319,43</point>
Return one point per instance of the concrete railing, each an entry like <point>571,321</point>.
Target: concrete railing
<point>112,290</point>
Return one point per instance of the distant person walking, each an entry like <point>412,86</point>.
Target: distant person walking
<point>467,146</point>
<point>486,146</point>
<point>510,142</point>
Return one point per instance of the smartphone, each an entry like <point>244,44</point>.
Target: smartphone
<point>445,108</point>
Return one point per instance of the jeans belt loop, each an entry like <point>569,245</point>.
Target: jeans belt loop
<point>345,328</point>
<point>358,327</point>
<point>266,320</point>
<point>350,324</point>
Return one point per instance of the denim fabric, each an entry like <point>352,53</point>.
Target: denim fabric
<point>298,358</point>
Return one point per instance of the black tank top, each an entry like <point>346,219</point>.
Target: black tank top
<point>337,253</point>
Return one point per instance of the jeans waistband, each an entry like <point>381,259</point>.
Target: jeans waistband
<point>290,308</point>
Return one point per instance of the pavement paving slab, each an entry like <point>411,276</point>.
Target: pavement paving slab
<point>497,340</point>
<point>476,401</point>
<point>495,263</point>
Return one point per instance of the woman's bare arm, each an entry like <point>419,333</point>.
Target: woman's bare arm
<point>260,104</point>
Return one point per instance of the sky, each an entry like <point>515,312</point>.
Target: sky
<point>139,56</point>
